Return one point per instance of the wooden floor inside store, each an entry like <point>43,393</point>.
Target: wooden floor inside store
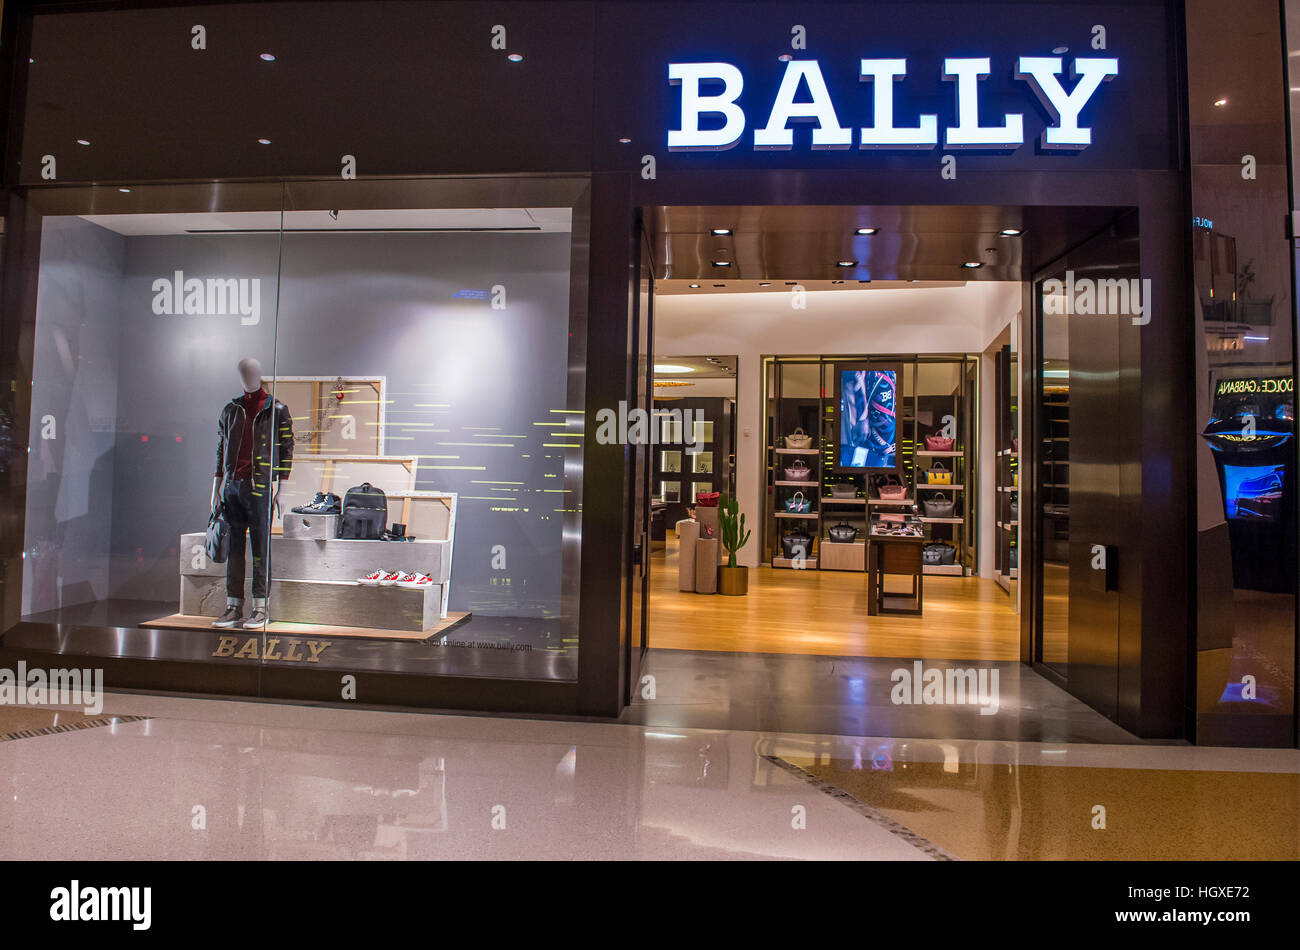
<point>825,613</point>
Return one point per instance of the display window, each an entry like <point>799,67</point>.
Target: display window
<point>339,431</point>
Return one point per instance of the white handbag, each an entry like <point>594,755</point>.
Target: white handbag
<point>798,439</point>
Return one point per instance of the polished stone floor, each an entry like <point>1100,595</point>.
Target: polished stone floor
<point>205,779</point>
<point>851,696</point>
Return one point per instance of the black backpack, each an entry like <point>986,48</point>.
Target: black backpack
<point>365,512</point>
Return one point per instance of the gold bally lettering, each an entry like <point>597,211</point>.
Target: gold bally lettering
<point>253,650</point>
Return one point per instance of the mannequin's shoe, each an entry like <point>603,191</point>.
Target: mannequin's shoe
<point>258,619</point>
<point>229,618</point>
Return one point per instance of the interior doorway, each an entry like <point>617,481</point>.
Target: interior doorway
<point>873,437</point>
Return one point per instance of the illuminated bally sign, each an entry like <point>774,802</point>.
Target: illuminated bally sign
<point>1042,73</point>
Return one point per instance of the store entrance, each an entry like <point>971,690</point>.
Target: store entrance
<point>847,381</point>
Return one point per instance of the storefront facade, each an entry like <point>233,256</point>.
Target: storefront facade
<point>434,215</point>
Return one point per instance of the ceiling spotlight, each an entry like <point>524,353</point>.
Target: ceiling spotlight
<point>695,286</point>
<point>867,281</point>
<point>82,142</point>
<point>267,57</point>
<point>516,57</point>
<point>765,283</point>
<point>866,230</point>
<point>125,190</point>
<point>846,263</point>
<point>263,141</point>
<point>719,285</point>
<point>791,283</point>
<point>722,263</point>
<point>624,140</point>
<point>1060,50</point>
<point>1220,103</point>
<point>720,231</point>
<point>1011,232</point>
<point>973,264</point>
<point>785,57</point>
<point>837,282</point>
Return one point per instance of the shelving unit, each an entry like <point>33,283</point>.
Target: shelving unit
<point>934,393</point>
<point>1006,558</point>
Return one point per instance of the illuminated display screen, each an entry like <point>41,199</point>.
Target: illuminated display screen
<point>868,424</point>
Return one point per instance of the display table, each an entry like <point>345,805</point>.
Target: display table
<point>899,556</point>
<point>315,581</point>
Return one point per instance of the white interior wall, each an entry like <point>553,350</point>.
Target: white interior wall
<point>750,326</point>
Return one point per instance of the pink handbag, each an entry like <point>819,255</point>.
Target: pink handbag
<point>938,443</point>
<point>894,490</point>
<point>798,471</point>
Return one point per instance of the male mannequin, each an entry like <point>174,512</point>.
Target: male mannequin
<point>254,455</point>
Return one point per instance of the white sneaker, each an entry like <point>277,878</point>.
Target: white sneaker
<point>416,581</point>
<point>388,580</point>
<point>400,579</point>
<point>372,579</point>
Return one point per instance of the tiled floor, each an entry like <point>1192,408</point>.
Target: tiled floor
<point>205,779</point>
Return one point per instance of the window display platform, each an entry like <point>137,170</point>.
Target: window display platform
<point>191,622</point>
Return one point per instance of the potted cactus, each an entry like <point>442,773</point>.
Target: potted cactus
<point>732,579</point>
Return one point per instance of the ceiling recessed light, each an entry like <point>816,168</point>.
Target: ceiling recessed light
<point>263,141</point>
<point>785,57</point>
<point>765,283</point>
<point>673,368</point>
<point>722,263</point>
<point>720,231</point>
<point>1011,232</point>
<point>837,282</point>
<point>867,281</point>
<point>866,230</point>
<point>911,280</point>
<point>124,190</point>
<point>267,57</point>
<point>516,57</point>
<point>973,264</point>
<point>1059,50</point>
<point>625,140</point>
<point>694,286</point>
<point>791,283</point>
<point>846,263</point>
<point>719,285</point>
<point>1220,103</point>
<point>82,142</point>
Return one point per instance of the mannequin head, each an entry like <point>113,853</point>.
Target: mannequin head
<point>250,374</point>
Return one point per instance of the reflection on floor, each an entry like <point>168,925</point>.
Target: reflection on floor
<point>825,613</point>
<point>284,782</point>
<point>852,697</point>
<point>514,647</point>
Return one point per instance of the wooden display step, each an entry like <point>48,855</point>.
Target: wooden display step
<point>335,603</point>
<point>192,622</point>
<point>809,563</point>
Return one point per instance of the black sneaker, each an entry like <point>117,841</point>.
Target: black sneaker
<point>257,621</point>
<point>310,509</point>
<point>229,618</point>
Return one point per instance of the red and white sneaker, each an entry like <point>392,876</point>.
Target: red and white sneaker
<point>372,579</point>
<point>416,581</point>
<point>388,580</point>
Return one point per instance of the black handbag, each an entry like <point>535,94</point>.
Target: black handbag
<point>938,552</point>
<point>217,542</point>
<point>843,533</point>
<point>797,545</point>
<point>938,506</point>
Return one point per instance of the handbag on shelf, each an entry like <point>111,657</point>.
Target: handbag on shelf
<point>892,489</point>
<point>1015,445</point>
<point>797,504</point>
<point>707,499</point>
<point>798,439</point>
<point>844,490</point>
<point>938,552</point>
<point>843,533</point>
<point>1014,558</point>
<point>939,474</point>
<point>797,544</point>
<point>216,543</point>
<point>940,506</point>
<point>798,471</point>
<point>1015,508</point>
<point>938,443</point>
